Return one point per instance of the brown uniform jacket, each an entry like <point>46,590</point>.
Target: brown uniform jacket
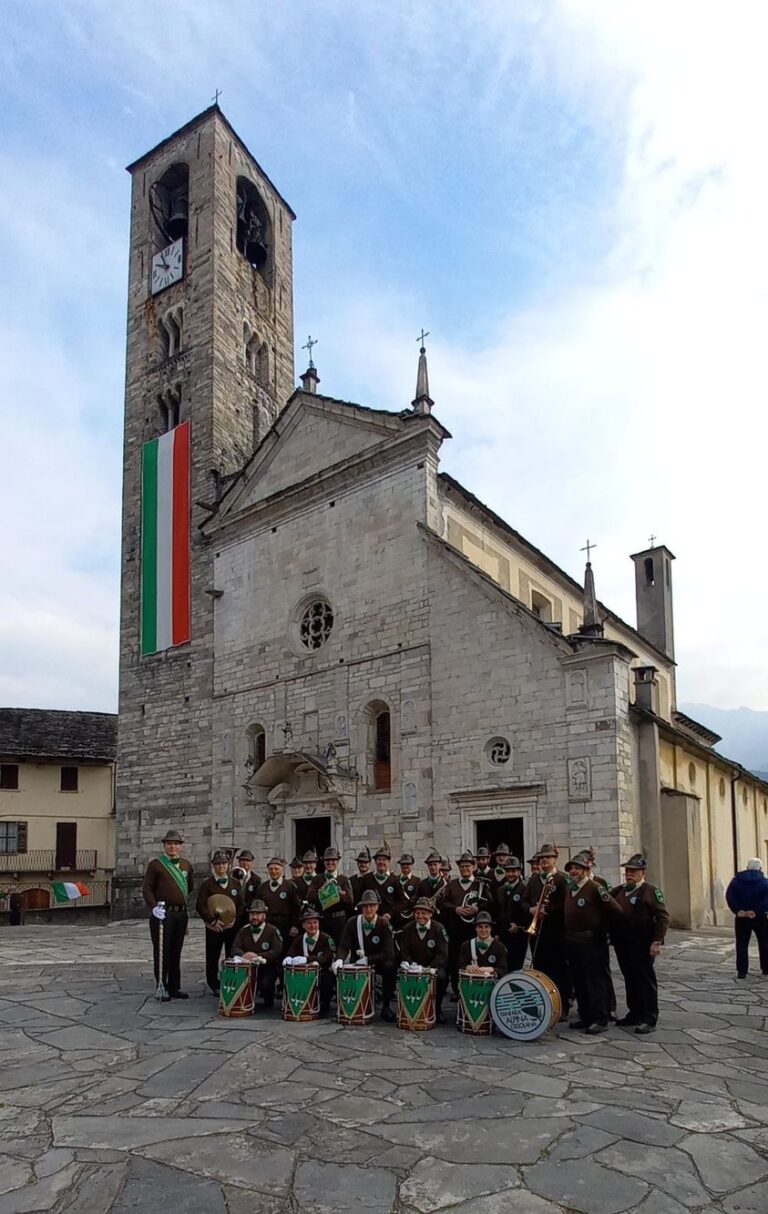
<point>645,914</point>
<point>511,907</point>
<point>495,956</point>
<point>552,923</point>
<point>324,951</point>
<point>357,885</point>
<point>159,885</point>
<point>283,904</point>
<point>590,909</point>
<point>431,950</point>
<point>475,894</point>
<point>431,888</point>
<point>268,944</point>
<point>249,888</point>
<point>379,944</point>
<point>390,893</point>
<point>345,895</point>
<point>211,886</point>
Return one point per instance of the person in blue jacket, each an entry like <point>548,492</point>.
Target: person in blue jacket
<point>747,897</point>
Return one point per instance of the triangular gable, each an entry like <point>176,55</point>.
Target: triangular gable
<point>312,435</point>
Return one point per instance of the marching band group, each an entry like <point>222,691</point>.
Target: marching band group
<point>486,920</point>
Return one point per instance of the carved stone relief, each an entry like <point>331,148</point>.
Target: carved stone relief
<point>576,688</point>
<point>579,779</point>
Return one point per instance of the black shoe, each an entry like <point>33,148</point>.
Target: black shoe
<point>577,1024</point>
<point>741,975</point>
<point>644,1029</point>
<point>215,991</point>
<point>165,999</point>
<point>324,1013</point>
<point>387,1014</point>
<point>596,1029</point>
<point>627,1021</point>
<point>179,995</point>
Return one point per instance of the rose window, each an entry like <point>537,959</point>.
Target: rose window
<point>316,624</point>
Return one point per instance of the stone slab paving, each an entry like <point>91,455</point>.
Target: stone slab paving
<point>110,1102</point>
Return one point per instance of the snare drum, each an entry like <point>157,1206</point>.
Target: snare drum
<point>416,1001</point>
<point>525,1004</point>
<point>473,1013</point>
<point>237,984</point>
<point>301,997</point>
<point>354,994</point>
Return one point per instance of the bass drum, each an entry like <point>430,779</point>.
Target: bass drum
<point>525,1004</point>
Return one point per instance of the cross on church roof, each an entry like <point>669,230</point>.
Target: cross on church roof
<point>651,540</point>
<point>421,338</point>
<point>311,341</point>
<point>588,548</point>
<point>215,97</point>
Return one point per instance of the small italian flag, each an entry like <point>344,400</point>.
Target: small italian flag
<point>165,588</point>
<point>67,891</point>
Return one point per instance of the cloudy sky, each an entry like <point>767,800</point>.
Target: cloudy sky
<point>569,194</point>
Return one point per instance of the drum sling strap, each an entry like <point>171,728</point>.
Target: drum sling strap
<point>360,936</point>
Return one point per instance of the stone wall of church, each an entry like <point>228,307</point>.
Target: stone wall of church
<point>498,673</point>
<point>362,552</point>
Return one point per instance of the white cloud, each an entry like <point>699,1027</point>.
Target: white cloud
<point>623,394</point>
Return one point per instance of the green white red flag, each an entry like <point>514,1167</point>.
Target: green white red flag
<point>67,891</point>
<point>165,541</point>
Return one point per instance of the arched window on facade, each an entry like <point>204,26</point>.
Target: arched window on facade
<point>382,758</point>
<point>257,746</point>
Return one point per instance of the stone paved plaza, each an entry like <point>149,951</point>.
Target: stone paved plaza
<point>110,1101</point>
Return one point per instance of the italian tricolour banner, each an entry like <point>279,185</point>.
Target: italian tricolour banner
<point>67,891</point>
<point>165,590</point>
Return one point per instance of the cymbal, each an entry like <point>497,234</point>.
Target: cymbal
<point>222,908</point>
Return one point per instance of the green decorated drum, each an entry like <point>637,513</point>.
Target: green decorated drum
<point>473,1014</point>
<point>416,1001</point>
<point>237,982</point>
<point>354,994</point>
<point>301,999</point>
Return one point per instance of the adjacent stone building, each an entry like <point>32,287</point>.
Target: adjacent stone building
<point>57,807</point>
<point>374,654</point>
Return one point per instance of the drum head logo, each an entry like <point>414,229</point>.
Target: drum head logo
<point>350,989</point>
<point>413,991</point>
<point>521,1007</point>
<point>299,985</point>
<point>232,981</point>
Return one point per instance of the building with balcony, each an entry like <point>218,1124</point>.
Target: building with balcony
<point>57,808</point>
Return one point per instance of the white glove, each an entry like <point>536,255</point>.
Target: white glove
<point>362,961</point>
<point>336,966</point>
<point>159,911</point>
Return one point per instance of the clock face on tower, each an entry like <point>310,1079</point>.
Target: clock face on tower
<point>168,266</point>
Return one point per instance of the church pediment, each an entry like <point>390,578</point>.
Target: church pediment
<point>313,436</point>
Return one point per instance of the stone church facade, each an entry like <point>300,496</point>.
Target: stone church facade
<point>374,655</point>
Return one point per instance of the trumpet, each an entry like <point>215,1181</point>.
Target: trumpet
<point>541,905</point>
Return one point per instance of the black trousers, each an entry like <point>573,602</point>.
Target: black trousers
<point>588,963</point>
<point>516,944</point>
<point>636,964</point>
<point>548,954</point>
<point>215,942</point>
<point>333,925</point>
<point>388,974</point>
<point>458,934</point>
<point>174,932</point>
<point>744,929</point>
<point>266,977</point>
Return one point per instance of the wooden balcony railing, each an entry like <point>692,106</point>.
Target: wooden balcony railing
<point>42,860</point>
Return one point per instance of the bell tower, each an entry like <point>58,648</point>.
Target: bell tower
<point>209,365</point>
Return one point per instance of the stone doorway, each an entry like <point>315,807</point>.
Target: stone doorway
<point>311,833</point>
<point>489,832</point>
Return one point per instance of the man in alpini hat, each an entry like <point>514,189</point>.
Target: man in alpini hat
<point>167,884</point>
